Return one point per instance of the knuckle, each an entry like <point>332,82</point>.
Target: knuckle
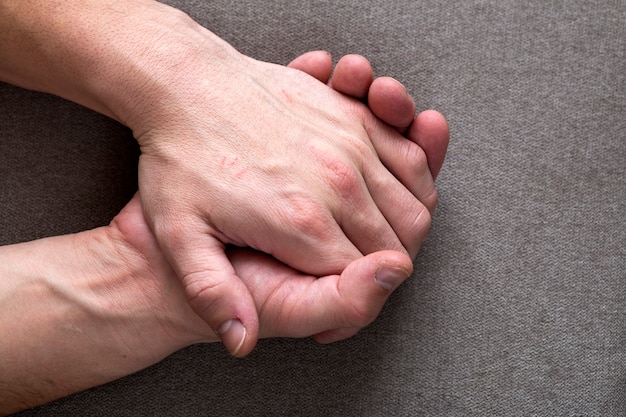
<point>202,294</point>
<point>362,313</point>
<point>343,177</point>
<point>416,157</point>
<point>306,216</point>
<point>430,199</point>
<point>308,230</point>
<point>420,226</point>
<point>418,163</point>
<point>363,149</point>
<point>197,287</point>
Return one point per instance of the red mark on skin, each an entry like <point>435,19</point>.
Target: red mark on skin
<point>241,173</point>
<point>227,162</point>
<point>231,164</point>
<point>287,96</point>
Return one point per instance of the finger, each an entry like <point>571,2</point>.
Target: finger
<point>353,76</point>
<point>317,64</point>
<point>358,215</point>
<point>430,132</point>
<point>308,237</point>
<point>390,102</point>
<point>409,218</point>
<point>335,335</point>
<point>292,304</point>
<point>212,287</point>
<point>406,160</point>
<point>362,298</point>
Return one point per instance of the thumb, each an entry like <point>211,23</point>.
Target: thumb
<point>212,287</point>
<point>362,290</point>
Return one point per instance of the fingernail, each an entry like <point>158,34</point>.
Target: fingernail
<point>232,333</point>
<point>389,278</point>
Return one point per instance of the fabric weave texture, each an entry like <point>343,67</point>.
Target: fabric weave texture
<point>518,301</point>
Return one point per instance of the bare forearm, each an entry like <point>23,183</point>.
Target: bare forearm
<point>77,311</point>
<point>73,314</point>
<point>109,55</point>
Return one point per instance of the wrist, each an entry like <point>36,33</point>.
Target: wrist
<point>113,56</point>
<point>139,293</point>
<point>101,313</point>
<point>61,340</point>
<point>88,298</point>
<point>144,65</point>
<point>163,77</point>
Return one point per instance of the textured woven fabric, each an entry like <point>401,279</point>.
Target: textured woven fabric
<point>518,301</point>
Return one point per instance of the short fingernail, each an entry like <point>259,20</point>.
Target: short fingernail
<point>389,278</point>
<point>232,333</point>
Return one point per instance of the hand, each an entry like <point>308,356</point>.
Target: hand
<point>289,303</point>
<point>337,306</point>
<point>110,305</point>
<point>272,160</point>
<point>428,138</point>
<point>296,253</point>
<point>315,196</point>
<point>388,100</point>
<point>234,151</point>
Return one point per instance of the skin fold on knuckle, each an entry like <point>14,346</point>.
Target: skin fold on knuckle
<point>420,226</point>
<point>416,156</point>
<point>418,164</point>
<point>305,216</point>
<point>431,199</point>
<point>361,312</point>
<point>343,177</point>
<point>203,295</point>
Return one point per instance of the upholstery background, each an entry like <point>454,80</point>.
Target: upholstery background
<point>518,302</point>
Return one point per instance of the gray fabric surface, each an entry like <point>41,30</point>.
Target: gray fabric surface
<point>518,302</point>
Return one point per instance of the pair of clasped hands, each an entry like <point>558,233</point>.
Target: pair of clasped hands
<point>340,193</point>
<point>273,201</point>
<point>338,197</point>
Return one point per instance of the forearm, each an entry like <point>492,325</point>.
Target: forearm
<point>80,310</point>
<point>109,55</point>
<point>75,312</point>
